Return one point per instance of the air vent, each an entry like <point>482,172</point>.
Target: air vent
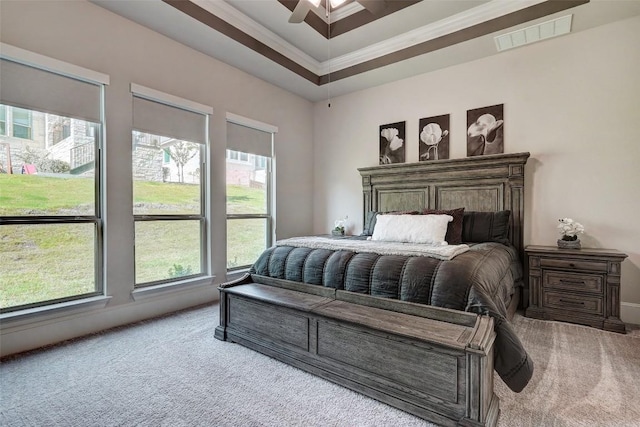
<point>535,33</point>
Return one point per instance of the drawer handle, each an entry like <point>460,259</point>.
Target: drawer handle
<point>573,282</point>
<point>571,302</point>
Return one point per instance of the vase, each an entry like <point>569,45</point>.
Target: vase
<point>337,232</point>
<point>569,244</point>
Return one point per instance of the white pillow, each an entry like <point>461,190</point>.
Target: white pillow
<point>429,229</point>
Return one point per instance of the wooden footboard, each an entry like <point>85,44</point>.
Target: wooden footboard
<point>434,363</point>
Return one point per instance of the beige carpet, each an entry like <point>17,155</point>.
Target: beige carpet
<point>583,377</point>
<point>172,372</point>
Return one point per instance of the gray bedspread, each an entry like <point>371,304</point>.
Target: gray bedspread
<point>480,280</point>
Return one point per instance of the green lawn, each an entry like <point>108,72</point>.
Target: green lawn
<point>43,262</point>
<point>40,195</point>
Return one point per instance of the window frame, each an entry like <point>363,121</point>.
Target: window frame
<point>101,80</point>
<point>3,120</point>
<point>96,219</point>
<point>14,124</point>
<point>269,168</point>
<point>203,217</point>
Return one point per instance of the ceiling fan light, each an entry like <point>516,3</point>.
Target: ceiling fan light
<point>316,3</point>
<point>336,3</point>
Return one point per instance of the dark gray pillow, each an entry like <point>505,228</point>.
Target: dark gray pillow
<point>478,227</point>
<point>454,229</point>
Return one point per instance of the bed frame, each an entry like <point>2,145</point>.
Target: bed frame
<point>433,362</point>
<point>483,183</point>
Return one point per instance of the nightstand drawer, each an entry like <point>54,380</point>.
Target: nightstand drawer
<point>573,264</point>
<point>591,283</point>
<point>576,303</point>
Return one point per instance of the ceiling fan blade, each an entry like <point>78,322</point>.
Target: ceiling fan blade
<point>300,12</point>
<point>373,6</point>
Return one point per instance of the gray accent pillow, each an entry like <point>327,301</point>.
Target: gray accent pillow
<point>454,229</point>
<point>478,227</point>
<point>369,223</point>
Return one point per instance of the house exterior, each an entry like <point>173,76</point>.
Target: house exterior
<point>52,144</point>
<point>38,139</point>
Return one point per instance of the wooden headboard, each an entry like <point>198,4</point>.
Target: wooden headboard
<point>483,183</point>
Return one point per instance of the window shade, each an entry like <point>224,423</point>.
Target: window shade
<point>35,89</point>
<point>248,140</point>
<point>165,120</point>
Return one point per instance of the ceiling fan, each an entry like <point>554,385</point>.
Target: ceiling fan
<point>304,6</point>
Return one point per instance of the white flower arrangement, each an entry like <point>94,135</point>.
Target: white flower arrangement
<point>339,225</point>
<point>570,229</point>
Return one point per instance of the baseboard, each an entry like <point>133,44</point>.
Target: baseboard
<point>25,336</point>
<point>630,313</point>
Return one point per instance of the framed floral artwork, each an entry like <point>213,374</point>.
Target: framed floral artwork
<point>434,138</point>
<point>485,130</point>
<point>392,143</point>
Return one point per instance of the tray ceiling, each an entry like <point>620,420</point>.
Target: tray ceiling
<point>353,47</point>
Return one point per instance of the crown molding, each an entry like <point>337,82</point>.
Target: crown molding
<point>342,12</point>
<point>477,15</point>
<point>234,17</point>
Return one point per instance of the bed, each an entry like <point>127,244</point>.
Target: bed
<point>421,332</point>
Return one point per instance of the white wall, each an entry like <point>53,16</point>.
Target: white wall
<point>572,102</point>
<point>84,34</point>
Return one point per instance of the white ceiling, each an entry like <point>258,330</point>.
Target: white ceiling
<point>267,22</point>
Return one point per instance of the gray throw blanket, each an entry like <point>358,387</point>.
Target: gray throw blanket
<point>444,252</point>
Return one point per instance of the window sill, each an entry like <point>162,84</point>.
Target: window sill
<point>141,294</point>
<point>28,316</point>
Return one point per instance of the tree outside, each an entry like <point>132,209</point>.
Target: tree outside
<point>181,152</point>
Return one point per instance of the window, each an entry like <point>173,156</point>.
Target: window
<point>3,120</point>
<point>249,190</point>
<point>50,214</point>
<point>61,128</point>
<point>21,123</point>
<point>238,156</point>
<point>169,143</point>
<point>260,162</point>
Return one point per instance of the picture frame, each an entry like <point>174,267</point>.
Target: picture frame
<point>433,135</point>
<point>392,143</point>
<point>485,130</point>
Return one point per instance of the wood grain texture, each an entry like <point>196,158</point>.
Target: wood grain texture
<point>284,297</point>
<point>428,311</point>
<point>578,286</point>
<point>425,329</point>
<point>483,183</point>
<point>401,364</point>
<point>440,368</point>
<point>279,325</point>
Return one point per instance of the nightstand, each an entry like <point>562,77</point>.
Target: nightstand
<point>575,285</point>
